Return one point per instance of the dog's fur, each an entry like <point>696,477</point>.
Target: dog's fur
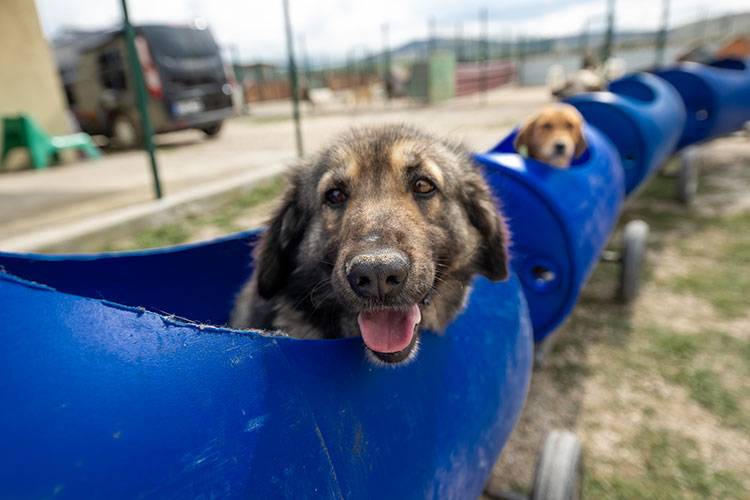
<point>554,135</point>
<point>300,283</point>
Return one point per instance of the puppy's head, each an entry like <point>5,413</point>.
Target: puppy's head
<point>553,136</point>
<point>379,235</point>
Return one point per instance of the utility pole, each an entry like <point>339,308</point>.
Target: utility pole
<point>458,44</point>
<point>583,42</point>
<point>387,61</point>
<point>485,44</point>
<point>305,61</point>
<point>293,80</point>
<point>431,41</point>
<point>661,39</point>
<point>142,97</point>
<point>521,54</point>
<point>609,35</point>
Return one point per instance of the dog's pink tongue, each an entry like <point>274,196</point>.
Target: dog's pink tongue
<point>387,330</point>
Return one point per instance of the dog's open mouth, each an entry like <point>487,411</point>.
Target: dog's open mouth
<point>390,333</point>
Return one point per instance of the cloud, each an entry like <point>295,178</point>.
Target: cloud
<point>337,28</point>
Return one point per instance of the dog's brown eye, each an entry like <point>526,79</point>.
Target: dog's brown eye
<point>423,187</point>
<point>568,125</point>
<point>335,197</point>
<point>547,126</point>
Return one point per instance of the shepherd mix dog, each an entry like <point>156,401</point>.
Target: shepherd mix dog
<point>379,235</point>
<point>553,136</point>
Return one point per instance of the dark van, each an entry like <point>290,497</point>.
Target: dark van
<point>185,77</point>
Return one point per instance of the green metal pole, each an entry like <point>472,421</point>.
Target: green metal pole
<point>661,39</point>
<point>140,87</point>
<point>521,58</point>
<point>583,41</point>
<point>610,34</point>
<point>293,80</point>
<point>431,37</point>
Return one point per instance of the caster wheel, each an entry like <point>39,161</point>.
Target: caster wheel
<point>633,252</point>
<point>559,471</point>
<point>687,177</point>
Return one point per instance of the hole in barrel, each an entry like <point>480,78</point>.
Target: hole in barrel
<point>701,115</point>
<point>543,275</point>
<point>629,160</point>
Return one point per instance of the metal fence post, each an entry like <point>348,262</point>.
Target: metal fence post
<point>140,86</point>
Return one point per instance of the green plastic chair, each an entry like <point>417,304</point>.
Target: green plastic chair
<point>22,132</point>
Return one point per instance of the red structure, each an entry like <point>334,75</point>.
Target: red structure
<point>476,77</point>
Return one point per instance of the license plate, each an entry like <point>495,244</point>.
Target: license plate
<point>187,107</point>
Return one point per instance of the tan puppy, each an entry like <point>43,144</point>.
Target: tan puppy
<point>553,136</point>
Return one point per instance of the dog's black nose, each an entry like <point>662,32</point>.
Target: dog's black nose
<point>559,148</point>
<point>378,274</point>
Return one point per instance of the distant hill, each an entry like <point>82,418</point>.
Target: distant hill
<point>712,29</point>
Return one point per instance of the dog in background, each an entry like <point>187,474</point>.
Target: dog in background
<point>553,136</point>
<point>379,235</point>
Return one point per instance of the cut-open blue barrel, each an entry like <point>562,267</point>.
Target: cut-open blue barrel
<point>106,394</point>
<point>643,116</point>
<point>560,221</point>
<point>716,96</point>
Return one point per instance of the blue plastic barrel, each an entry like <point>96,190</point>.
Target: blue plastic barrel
<point>716,96</point>
<point>105,394</point>
<point>560,221</point>
<point>643,116</point>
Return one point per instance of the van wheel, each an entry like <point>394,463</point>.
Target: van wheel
<point>125,132</point>
<point>213,129</point>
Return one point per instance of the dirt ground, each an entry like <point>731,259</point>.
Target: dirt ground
<point>658,392</point>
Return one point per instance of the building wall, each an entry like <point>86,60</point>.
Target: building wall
<point>29,81</point>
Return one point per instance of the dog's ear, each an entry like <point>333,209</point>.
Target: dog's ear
<point>581,145</point>
<point>275,254</point>
<point>484,214</point>
<point>523,138</point>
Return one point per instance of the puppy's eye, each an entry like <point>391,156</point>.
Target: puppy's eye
<point>568,125</point>
<point>547,126</point>
<point>336,197</point>
<point>423,187</point>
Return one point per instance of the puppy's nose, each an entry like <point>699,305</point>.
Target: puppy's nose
<point>378,274</point>
<point>559,148</point>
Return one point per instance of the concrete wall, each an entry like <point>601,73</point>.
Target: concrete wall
<point>29,81</point>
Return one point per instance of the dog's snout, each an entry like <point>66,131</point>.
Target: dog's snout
<point>560,148</point>
<point>379,274</point>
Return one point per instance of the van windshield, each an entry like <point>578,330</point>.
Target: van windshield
<point>180,41</point>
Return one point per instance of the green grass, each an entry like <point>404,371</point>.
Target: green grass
<point>263,193</point>
<point>225,218</point>
<point>725,283</point>
<point>660,187</point>
<point>672,469</point>
<point>681,359</point>
<point>707,389</point>
<point>169,234</point>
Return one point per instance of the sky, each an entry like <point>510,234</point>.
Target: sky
<point>334,29</point>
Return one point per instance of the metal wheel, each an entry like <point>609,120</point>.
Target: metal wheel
<point>125,133</point>
<point>633,252</point>
<point>687,177</point>
<point>559,469</point>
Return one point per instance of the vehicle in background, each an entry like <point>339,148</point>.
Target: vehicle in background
<point>186,81</point>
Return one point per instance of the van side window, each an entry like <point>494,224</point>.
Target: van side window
<point>111,70</point>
